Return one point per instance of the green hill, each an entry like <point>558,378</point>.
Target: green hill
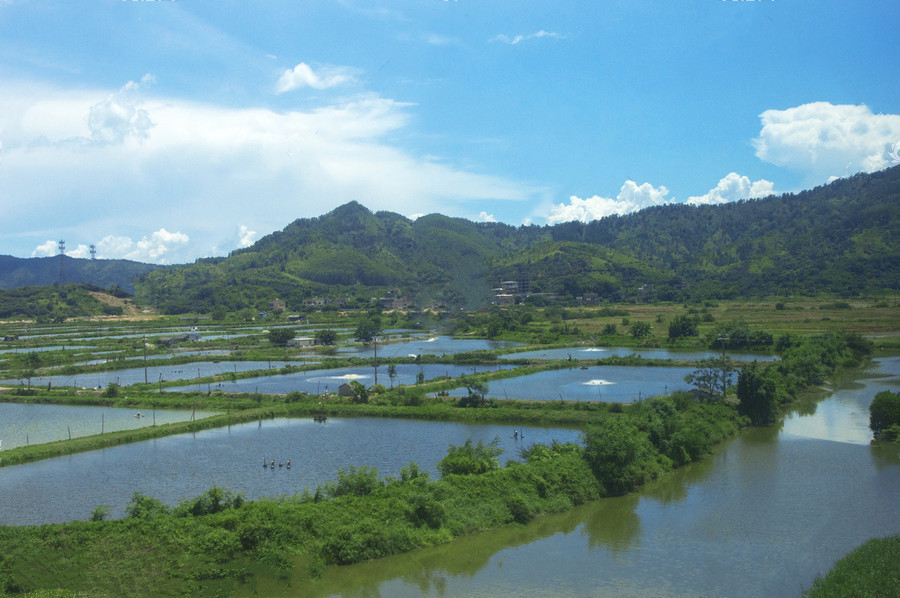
<point>836,239</point>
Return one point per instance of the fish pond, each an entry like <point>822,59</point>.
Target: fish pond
<point>329,380</point>
<point>184,466</point>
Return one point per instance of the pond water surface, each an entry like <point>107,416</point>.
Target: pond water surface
<point>321,381</point>
<point>434,345</point>
<point>612,384</point>
<point>604,352</point>
<point>22,424</point>
<point>155,373</point>
<point>184,466</point>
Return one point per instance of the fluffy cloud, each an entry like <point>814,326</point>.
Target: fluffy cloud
<point>485,217</point>
<point>825,140</point>
<point>520,38</point>
<point>45,249</point>
<point>152,249</point>
<point>303,75</point>
<point>631,198</point>
<point>246,237</point>
<point>733,187</point>
<point>118,116</point>
<point>203,169</point>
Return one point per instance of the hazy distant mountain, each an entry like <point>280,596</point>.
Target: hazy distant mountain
<point>41,271</point>
<point>838,238</point>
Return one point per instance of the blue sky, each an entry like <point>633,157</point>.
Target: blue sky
<point>165,131</point>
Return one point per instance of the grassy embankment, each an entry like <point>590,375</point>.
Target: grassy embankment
<point>870,571</point>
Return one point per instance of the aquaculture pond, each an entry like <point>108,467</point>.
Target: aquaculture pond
<point>22,423</point>
<point>433,345</point>
<point>762,517</point>
<point>152,374</point>
<point>321,381</point>
<point>183,466</point>
<point>611,384</point>
<point>604,352</point>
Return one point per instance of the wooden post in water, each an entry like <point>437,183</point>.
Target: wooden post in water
<point>102,423</point>
<point>70,432</point>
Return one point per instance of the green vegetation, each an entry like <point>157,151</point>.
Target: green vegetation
<point>884,416</point>
<point>836,239</point>
<point>870,571</point>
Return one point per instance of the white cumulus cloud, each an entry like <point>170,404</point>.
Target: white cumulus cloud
<point>246,237</point>
<point>119,115</point>
<point>45,249</point>
<point>485,217</point>
<point>303,75</point>
<point>824,139</point>
<point>151,249</point>
<point>631,198</point>
<point>733,187</point>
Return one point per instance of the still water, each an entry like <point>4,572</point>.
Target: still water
<point>22,424</point>
<point>320,381</point>
<point>604,352</point>
<point>184,466</point>
<point>434,345</point>
<point>763,517</point>
<point>612,384</point>
<point>151,374</point>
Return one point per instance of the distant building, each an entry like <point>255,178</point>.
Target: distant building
<point>301,341</point>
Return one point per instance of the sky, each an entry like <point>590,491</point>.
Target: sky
<point>171,130</point>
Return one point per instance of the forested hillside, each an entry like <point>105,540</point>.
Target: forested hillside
<point>41,271</point>
<point>838,239</point>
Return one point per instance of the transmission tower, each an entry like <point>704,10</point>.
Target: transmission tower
<point>93,251</point>
<point>62,257</point>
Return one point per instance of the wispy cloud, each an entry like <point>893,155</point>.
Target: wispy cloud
<point>516,39</point>
<point>303,75</point>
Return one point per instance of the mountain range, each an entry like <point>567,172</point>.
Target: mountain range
<point>839,238</point>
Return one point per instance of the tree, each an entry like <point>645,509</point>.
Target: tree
<point>713,375</point>
<point>682,325</point>
<point>280,336</point>
<point>884,415</point>
<point>360,393</point>
<point>620,454</point>
<point>477,389</point>
<point>640,329</point>
<point>368,329</point>
<point>392,373</point>
<point>326,337</point>
<point>757,396</point>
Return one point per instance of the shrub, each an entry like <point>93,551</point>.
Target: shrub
<point>468,459</point>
